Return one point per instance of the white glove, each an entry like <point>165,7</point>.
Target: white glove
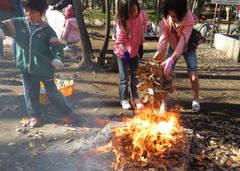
<point>57,63</point>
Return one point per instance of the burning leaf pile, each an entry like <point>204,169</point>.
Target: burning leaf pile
<point>153,83</point>
<point>146,139</point>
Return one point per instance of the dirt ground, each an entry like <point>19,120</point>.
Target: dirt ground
<point>95,100</point>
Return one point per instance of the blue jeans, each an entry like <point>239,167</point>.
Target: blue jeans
<point>126,70</point>
<point>31,85</point>
<point>190,58</point>
<point>1,47</point>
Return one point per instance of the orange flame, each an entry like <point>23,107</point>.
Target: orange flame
<point>148,134</point>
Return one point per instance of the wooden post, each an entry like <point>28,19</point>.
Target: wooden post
<point>230,18</point>
<point>214,19</point>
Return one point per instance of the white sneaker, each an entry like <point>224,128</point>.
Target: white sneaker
<point>195,106</point>
<point>125,105</point>
<point>138,103</point>
<point>67,49</point>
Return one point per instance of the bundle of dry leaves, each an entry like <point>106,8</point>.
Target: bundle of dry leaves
<point>153,84</point>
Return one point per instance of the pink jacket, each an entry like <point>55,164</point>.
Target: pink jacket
<point>169,37</point>
<point>135,36</point>
<point>71,32</point>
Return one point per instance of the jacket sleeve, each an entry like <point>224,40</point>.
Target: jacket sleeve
<point>62,4</point>
<point>121,34</point>
<point>7,28</point>
<point>189,20</point>
<point>164,36</point>
<point>186,32</point>
<point>55,46</point>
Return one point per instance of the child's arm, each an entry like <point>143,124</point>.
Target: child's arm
<point>160,56</point>
<point>7,28</point>
<point>55,46</point>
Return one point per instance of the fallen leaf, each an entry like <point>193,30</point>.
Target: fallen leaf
<point>31,144</point>
<point>68,140</point>
<point>11,144</point>
<point>71,129</point>
<point>237,158</point>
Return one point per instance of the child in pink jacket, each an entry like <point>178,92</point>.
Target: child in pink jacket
<point>71,32</point>
<point>129,36</point>
<point>175,30</point>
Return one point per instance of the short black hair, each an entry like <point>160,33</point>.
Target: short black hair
<point>179,6</point>
<point>123,10</point>
<point>38,5</point>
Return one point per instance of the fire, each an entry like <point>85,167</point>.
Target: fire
<point>148,135</point>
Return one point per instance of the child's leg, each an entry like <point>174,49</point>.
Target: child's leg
<point>133,66</point>
<point>123,79</point>
<point>31,87</point>
<point>74,50</point>
<point>55,96</point>
<point>1,48</point>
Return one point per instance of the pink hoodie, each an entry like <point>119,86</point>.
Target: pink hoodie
<point>134,38</point>
<point>71,31</point>
<point>169,37</point>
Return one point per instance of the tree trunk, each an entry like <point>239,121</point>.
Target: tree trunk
<point>156,7</point>
<point>159,9</point>
<point>86,4</point>
<point>103,5</point>
<point>197,7</point>
<point>92,4</point>
<point>113,6</point>
<point>102,54</point>
<point>86,61</point>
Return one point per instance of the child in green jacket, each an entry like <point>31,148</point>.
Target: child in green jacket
<point>38,52</point>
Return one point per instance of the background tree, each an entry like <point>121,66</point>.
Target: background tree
<point>159,9</point>
<point>86,60</point>
<point>103,6</point>
<point>196,6</point>
<point>102,54</point>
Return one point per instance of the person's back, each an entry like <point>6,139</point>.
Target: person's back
<point>71,32</point>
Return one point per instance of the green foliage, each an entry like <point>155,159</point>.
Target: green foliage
<point>153,17</point>
<point>91,16</point>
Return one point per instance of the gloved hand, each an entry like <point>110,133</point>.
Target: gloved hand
<point>57,63</point>
<point>168,65</point>
<point>126,57</point>
<point>140,51</point>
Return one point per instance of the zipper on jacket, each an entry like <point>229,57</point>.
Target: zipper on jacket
<point>30,44</point>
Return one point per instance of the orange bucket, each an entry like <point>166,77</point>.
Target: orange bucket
<point>66,87</point>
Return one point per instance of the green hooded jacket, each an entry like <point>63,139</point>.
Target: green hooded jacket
<point>35,51</point>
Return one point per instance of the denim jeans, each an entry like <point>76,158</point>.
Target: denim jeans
<point>126,70</point>
<point>190,58</point>
<point>31,85</point>
<point>1,48</point>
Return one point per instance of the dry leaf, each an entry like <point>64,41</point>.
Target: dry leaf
<point>68,140</point>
